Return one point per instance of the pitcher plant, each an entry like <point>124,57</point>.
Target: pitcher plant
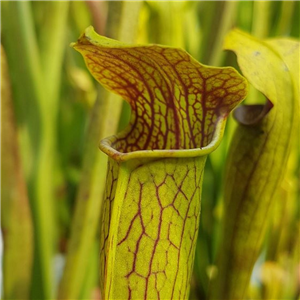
<point>151,208</point>
<point>258,156</point>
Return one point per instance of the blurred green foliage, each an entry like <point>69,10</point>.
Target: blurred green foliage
<point>58,108</point>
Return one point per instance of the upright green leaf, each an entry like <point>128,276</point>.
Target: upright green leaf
<point>16,222</point>
<point>152,203</point>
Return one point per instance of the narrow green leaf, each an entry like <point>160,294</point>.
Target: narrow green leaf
<point>152,203</point>
<point>16,222</point>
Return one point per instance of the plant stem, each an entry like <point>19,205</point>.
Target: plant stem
<point>261,18</point>
<point>286,13</point>
<point>226,23</point>
<point>219,17</point>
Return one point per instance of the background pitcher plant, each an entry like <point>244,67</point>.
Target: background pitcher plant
<point>258,156</point>
<point>152,203</point>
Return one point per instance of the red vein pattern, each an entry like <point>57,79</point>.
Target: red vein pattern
<point>157,229</point>
<point>175,100</point>
<point>152,205</point>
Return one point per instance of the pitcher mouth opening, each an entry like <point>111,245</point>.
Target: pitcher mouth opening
<point>107,146</point>
<point>179,106</point>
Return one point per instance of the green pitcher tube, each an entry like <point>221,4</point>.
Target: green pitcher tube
<point>151,207</point>
<point>155,211</point>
